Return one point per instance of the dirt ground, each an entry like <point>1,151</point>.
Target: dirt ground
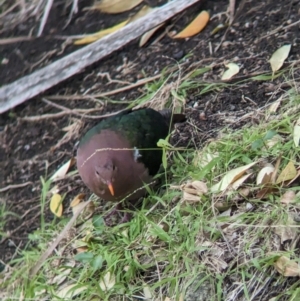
<point>31,149</point>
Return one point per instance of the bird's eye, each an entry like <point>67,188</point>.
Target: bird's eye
<point>97,173</point>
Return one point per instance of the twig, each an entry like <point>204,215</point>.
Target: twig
<point>60,114</point>
<point>14,40</point>
<point>14,186</point>
<point>116,91</point>
<point>45,17</point>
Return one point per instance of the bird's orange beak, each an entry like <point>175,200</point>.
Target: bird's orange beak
<point>111,188</point>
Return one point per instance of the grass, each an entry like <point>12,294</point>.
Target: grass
<point>223,246</point>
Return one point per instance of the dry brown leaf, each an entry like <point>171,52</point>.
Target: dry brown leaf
<point>287,267</point>
<point>285,229</point>
<point>62,171</point>
<point>190,198</point>
<point>235,185</point>
<point>265,174</point>
<point>81,249</point>
<point>56,205</point>
<point>78,198</point>
<point>70,291</point>
<point>232,176</point>
<point>107,282</point>
<point>192,191</point>
<point>116,6</point>
<point>288,173</point>
<point>296,133</point>
<point>264,192</point>
<point>197,25</point>
<point>288,197</point>
<point>63,272</point>
<point>274,106</point>
<point>147,35</point>
<point>87,212</point>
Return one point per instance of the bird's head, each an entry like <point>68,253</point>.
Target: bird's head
<point>105,172</point>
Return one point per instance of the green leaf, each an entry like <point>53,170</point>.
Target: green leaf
<point>164,144</point>
<point>84,257</point>
<point>97,263</point>
<point>257,144</point>
<point>269,135</point>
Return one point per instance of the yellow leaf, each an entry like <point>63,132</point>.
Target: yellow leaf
<point>288,173</point>
<point>56,205</point>
<point>232,176</point>
<point>62,171</point>
<point>195,26</point>
<point>232,70</point>
<point>279,56</point>
<point>141,13</point>
<point>117,6</point>
<point>100,34</point>
<point>296,133</point>
<point>287,267</point>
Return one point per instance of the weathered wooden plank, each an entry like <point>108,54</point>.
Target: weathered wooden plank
<point>31,85</point>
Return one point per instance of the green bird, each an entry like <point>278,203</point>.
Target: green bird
<point>118,156</point>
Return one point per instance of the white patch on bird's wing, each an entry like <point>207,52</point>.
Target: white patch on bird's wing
<point>136,154</point>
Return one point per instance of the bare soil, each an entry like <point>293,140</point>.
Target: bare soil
<point>31,149</point>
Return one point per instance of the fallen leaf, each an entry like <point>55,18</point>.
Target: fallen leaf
<point>273,141</point>
<point>288,197</point>
<point>116,6</point>
<point>235,185</point>
<point>279,56</point>
<point>78,198</point>
<point>197,25</point>
<point>147,293</point>
<point>190,198</point>
<point>296,133</point>
<point>71,291</point>
<point>264,176</point>
<point>296,177</point>
<point>107,282</point>
<point>232,70</point>
<point>147,35</point>
<point>232,176</point>
<point>62,171</point>
<point>87,212</point>
<point>56,205</point>
<point>288,173</point>
<point>100,34</point>
<point>141,13</point>
<point>274,106</point>
<point>63,272</point>
<point>287,267</point>
<point>286,229</point>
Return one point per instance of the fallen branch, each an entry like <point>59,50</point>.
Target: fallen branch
<point>31,85</point>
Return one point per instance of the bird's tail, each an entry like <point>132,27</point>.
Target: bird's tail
<point>172,118</point>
